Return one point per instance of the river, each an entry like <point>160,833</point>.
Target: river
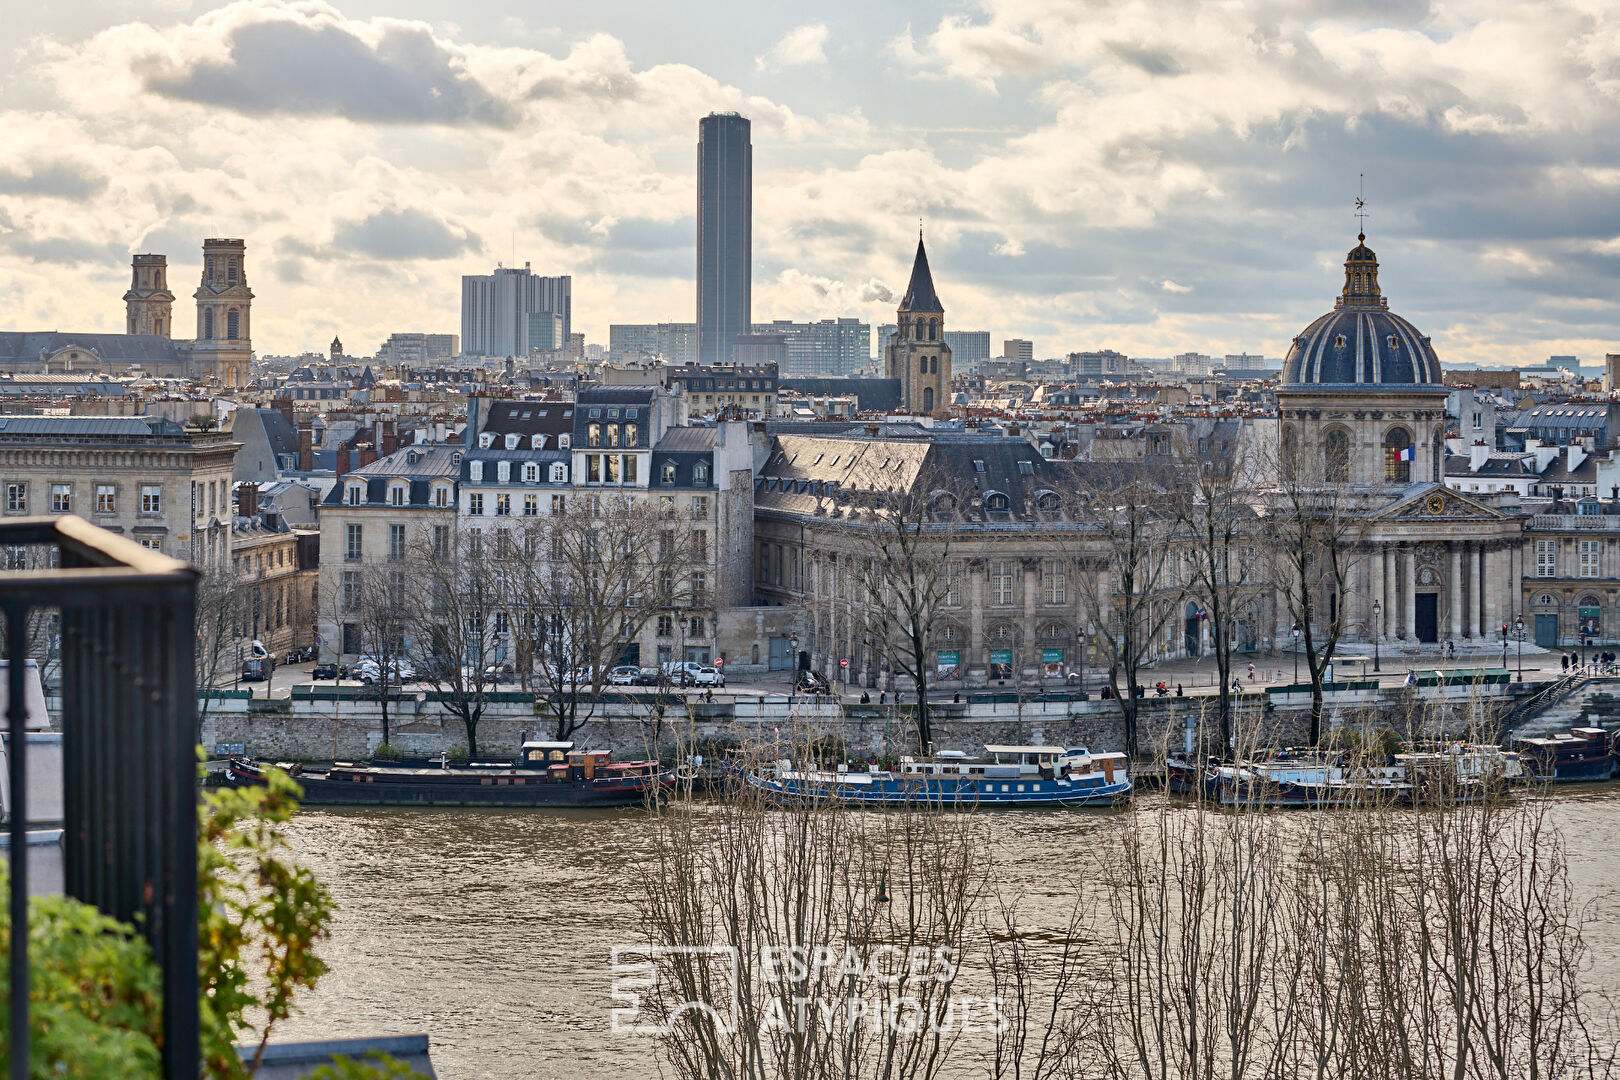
<point>492,930</point>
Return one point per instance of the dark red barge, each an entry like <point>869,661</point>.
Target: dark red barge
<point>544,774</point>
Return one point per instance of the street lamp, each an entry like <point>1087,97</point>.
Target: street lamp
<point>1378,614</point>
<point>1518,627</point>
<point>1296,654</point>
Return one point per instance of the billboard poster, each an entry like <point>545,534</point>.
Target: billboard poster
<point>948,665</point>
<point>1052,663</point>
<point>1001,663</point>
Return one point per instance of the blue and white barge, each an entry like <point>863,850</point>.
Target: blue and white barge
<point>1002,776</point>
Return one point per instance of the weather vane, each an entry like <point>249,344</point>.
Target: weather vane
<point>1361,205</point>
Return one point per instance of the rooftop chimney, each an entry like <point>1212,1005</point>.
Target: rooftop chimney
<point>284,406</point>
<point>247,500</point>
<point>306,446</point>
<point>1478,454</point>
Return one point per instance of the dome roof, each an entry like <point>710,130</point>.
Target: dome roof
<point>1361,342</point>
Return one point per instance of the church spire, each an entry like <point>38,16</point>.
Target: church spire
<point>1361,278</point>
<point>920,295</point>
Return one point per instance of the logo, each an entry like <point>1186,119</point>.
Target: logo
<point>637,970</point>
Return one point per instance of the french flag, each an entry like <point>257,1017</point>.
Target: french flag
<point>1409,454</point>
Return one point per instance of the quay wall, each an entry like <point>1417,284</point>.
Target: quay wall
<point>306,729</point>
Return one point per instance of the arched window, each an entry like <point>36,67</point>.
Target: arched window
<point>924,365</point>
<point>1399,454</point>
<point>1336,452</point>
<point>208,325</point>
<point>668,472</point>
<point>933,328</point>
<point>933,365</point>
<point>928,399</point>
<point>700,475</point>
<point>997,501</point>
<point>233,325</point>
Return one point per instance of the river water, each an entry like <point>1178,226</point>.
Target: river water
<point>492,930</point>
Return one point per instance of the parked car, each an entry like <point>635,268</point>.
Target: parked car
<point>301,655</point>
<point>681,671</point>
<point>625,675</point>
<point>368,670</point>
<point>255,670</point>
<point>324,671</point>
<point>811,682</point>
<point>708,676</point>
<point>500,673</point>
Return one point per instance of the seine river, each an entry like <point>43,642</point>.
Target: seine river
<point>492,930</point>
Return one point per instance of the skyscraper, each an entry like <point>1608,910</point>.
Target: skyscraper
<point>725,234</point>
<point>495,310</point>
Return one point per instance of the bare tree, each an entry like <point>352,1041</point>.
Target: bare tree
<point>580,586</point>
<point>1216,514</point>
<point>1124,569</point>
<point>1311,528</point>
<point>452,603</point>
<point>221,628</point>
<point>374,600</point>
<point>900,560</point>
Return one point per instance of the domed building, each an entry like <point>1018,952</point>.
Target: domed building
<point>1362,410</point>
<point>1361,399</point>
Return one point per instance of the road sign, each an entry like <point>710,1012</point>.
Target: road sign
<point>844,662</point>
<point>719,661</point>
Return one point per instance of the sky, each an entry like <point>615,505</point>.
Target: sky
<point>1155,178</point>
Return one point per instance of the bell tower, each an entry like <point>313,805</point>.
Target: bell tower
<point>917,354</point>
<point>223,347</point>
<point>149,304</point>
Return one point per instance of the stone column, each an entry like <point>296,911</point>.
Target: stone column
<point>1411,592</point>
<point>1392,615</point>
<point>1375,590</point>
<point>1473,554</point>
<point>973,648</point>
<point>1491,569</point>
<point>1454,596</point>
<point>1030,660</point>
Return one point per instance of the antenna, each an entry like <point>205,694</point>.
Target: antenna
<point>1361,206</point>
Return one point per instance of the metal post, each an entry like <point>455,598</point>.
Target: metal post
<point>17,759</point>
<point>1518,623</point>
<point>1378,613</point>
<point>1296,654</point>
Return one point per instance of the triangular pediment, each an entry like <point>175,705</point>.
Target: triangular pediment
<point>1436,502</point>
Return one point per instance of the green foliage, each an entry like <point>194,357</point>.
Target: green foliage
<point>203,422</point>
<point>95,993</point>
<point>386,752</point>
<point>458,755</point>
<point>259,920</point>
<point>377,1066</point>
<point>827,748</point>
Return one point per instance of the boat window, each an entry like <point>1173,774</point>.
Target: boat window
<point>1003,787</point>
<point>1020,787</point>
<point>1037,787</point>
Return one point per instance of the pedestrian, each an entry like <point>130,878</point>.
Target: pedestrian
<point>1251,673</point>
<point>883,697</point>
<point>956,698</point>
<point>1179,692</point>
<point>1237,687</point>
<point>1563,662</point>
<point>708,696</point>
<point>866,699</point>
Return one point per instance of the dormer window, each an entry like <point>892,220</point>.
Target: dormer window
<point>668,472</point>
<point>486,439</point>
<point>396,494</point>
<point>1394,342</point>
<point>503,471</point>
<point>441,494</point>
<point>1339,342</point>
<point>355,495</point>
<point>537,442</point>
<point>996,502</point>
<point>475,470</point>
<point>700,475</point>
<point>531,472</point>
<point>512,440</point>
<point>559,473</point>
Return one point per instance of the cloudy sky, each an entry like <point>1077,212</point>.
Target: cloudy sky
<point>1147,176</point>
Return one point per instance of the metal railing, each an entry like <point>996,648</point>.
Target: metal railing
<point>129,708</point>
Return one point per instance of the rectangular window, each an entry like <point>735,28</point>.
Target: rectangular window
<point>1591,553</point>
<point>351,590</point>
<point>396,542</point>
<point>953,586</point>
<point>61,498</point>
<point>106,499</point>
<point>1054,582</point>
<point>666,626</point>
<point>152,543</point>
<point>1546,558</point>
<point>559,503</point>
<point>779,561</point>
<point>151,499</point>
<point>531,506</point>
<point>1001,583</point>
<point>666,506</point>
<point>503,506</point>
<point>475,504</point>
<point>441,541</point>
<point>700,507</point>
<point>593,469</point>
<point>700,589</point>
<point>441,496</point>
<point>630,468</point>
<point>351,550</point>
<point>610,468</point>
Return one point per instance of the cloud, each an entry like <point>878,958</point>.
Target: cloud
<point>798,47</point>
<point>404,234</point>
<point>306,59</point>
<point>1170,286</point>
<point>57,179</point>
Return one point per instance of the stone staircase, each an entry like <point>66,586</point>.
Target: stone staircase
<point>1575,701</point>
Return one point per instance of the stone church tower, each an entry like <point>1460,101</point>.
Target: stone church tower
<point>149,303</point>
<point>223,347</point>
<point>917,354</point>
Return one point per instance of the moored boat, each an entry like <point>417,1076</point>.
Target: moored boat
<point>1583,753</point>
<point>550,774</point>
<point>1452,773</point>
<point>1003,776</point>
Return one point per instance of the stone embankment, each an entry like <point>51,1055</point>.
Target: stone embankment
<point>322,728</point>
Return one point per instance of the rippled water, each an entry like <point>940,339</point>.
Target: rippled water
<point>491,929</point>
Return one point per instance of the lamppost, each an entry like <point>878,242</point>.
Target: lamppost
<point>1296,654</point>
<point>1518,628</point>
<point>1504,644</point>
<point>1378,614</point>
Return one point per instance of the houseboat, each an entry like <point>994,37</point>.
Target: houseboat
<point>1454,773</point>
<point>1583,753</point>
<point>1002,776</point>
<point>550,774</point>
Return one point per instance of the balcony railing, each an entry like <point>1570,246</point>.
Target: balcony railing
<point>1574,523</point>
<point>129,704</point>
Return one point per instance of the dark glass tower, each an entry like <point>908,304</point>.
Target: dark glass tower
<point>725,235</point>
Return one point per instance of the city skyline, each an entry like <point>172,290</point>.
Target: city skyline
<point>1089,180</point>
